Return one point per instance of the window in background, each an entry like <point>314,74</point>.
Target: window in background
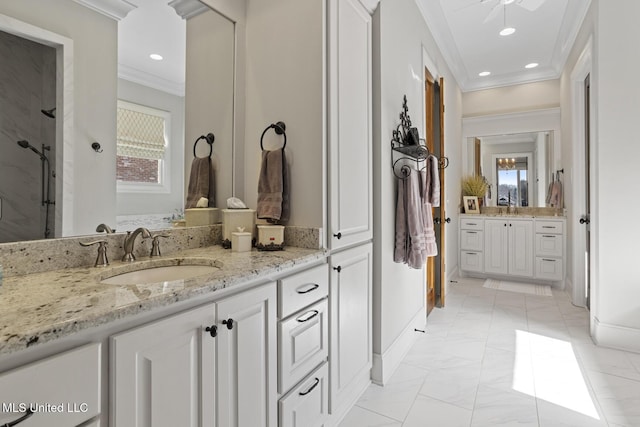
<point>513,184</point>
<point>142,144</point>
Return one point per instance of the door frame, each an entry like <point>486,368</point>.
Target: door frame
<point>583,68</point>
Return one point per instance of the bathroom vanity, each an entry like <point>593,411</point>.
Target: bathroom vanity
<point>514,246</point>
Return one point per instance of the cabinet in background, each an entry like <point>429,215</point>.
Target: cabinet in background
<point>549,249</point>
<point>166,373</point>
<point>472,244</point>
<point>509,247</point>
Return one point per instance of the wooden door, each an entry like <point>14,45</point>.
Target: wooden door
<point>246,359</point>
<point>163,373</point>
<point>434,124</point>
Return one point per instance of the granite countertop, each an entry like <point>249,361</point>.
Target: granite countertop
<point>41,307</point>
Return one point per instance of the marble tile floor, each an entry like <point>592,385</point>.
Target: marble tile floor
<point>497,358</point>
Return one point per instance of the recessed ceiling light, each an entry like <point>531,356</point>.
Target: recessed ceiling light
<point>484,73</point>
<point>532,65</point>
<point>156,57</point>
<point>507,31</point>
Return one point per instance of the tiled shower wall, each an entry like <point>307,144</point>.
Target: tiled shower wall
<point>27,85</point>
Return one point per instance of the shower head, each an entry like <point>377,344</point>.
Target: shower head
<point>25,144</point>
<point>49,113</point>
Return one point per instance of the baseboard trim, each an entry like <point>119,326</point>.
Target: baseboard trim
<point>384,365</point>
<point>614,336</point>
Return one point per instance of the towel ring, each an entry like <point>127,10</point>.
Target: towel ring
<point>279,128</point>
<point>209,138</point>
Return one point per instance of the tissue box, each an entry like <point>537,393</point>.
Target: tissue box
<point>201,216</point>
<point>270,237</point>
<point>240,241</point>
<point>234,218</point>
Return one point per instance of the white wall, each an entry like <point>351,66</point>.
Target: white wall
<point>164,203</point>
<point>510,99</point>
<point>209,98</point>
<point>398,70</point>
<point>285,81</point>
<point>94,101</point>
<point>617,276</point>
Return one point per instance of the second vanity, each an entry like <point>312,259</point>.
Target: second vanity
<point>246,344</point>
<point>526,247</point>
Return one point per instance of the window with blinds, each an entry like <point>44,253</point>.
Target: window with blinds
<point>141,144</point>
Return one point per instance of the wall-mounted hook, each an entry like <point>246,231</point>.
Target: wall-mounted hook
<point>96,147</point>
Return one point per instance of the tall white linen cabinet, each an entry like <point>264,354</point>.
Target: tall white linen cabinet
<point>350,204</point>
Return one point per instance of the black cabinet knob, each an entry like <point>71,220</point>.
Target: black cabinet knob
<point>447,220</point>
<point>213,330</point>
<point>338,235</point>
<point>584,220</point>
<point>229,323</point>
<point>338,269</point>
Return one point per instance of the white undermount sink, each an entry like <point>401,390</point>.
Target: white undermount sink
<point>147,273</point>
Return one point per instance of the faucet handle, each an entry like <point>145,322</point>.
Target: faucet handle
<point>101,260</point>
<point>104,227</point>
<point>155,244</point>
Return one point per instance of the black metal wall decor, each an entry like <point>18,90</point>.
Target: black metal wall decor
<point>405,140</point>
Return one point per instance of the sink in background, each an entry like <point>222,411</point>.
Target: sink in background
<point>160,270</point>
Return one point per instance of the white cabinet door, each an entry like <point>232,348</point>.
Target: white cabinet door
<point>521,248</point>
<point>350,127</point>
<point>495,249</point>
<point>163,373</point>
<point>350,342</point>
<point>246,359</point>
<point>62,390</point>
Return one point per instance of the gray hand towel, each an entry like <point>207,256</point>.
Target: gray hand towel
<point>201,183</point>
<point>273,187</point>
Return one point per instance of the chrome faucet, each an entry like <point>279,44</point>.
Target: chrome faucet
<point>104,227</point>
<point>130,239</point>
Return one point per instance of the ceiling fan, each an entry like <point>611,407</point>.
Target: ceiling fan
<point>498,5</point>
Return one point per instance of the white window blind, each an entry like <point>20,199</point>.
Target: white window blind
<point>140,135</point>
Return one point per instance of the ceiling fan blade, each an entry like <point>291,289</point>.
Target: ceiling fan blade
<point>495,11</point>
<point>531,5</point>
<point>472,4</point>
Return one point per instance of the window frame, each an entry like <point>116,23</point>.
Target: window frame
<point>164,164</point>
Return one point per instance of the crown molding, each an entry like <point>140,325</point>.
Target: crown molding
<point>114,9</point>
<point>188,8</point>
<point>150,80</point>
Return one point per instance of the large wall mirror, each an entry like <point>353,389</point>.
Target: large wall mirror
<point>518,167</point>
<point>517,153</point>
<point>51,182</point>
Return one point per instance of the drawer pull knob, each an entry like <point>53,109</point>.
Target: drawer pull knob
<point>547,259</point>
<point>229,323</point>
<point>472,232</point>
<point>26,415</point>
<point>549,226</point>
<point>213,330</point>
<point>313,287</point>
<point>471,223</point>
<point>315,384</point>
<point>338,235</point>
<point>338,269</point>
<point>547,235</point>
<point>303,319</point>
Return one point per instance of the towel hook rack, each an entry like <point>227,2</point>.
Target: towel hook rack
<point>279,129</point>
<point>209,138</point>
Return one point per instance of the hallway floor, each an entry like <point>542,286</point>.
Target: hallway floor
<point>495,358</point>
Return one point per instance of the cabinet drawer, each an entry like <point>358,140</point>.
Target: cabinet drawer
<point>299,290</point>
<point>471,224</point>
<point>471,240</point>
<point>71,379</point>
<point>549,245</point>
<point>549,227</point>
<point>549,268</point>
<point>307,404</point>
<point>304,345</point>
<point>471,261</point>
